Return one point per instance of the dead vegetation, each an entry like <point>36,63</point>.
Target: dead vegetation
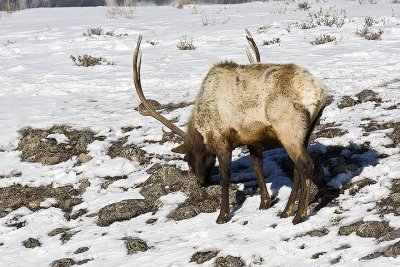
<point>185,44</point>
<point>363,96</point>
<point>275,40</point>
<point>324,17</point>
<point>89,61</point>
<point>121,12</point>
<point>128,151</point>
<point>99,31</point>
<point>367,32</point>
<point>323,39</point>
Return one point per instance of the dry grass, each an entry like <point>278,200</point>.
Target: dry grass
<point>121,12</point>
<point>330,18</point>
<point>185,44</point>
<point>323,39</point>
<point>88,61</point>
<point>275,40</point>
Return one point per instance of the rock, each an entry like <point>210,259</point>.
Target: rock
<point>77,214</point>
<point>372,256</point>
<point>392,235</point>
<point>317,255</point>
<point>316,233</point>
<point>84,185</point>
<point>393,250</point>
<point>229,261</point>
<point>203,256</point>
<point>52,160</point>
<point>31,243</point>
<point>83,158</point>
<point>124,210</point>
<point>81,250</point>
<point>346,102</point>
<point>134,245</point>
<point>203,200</point>
<point>58,231</point>
<point>368,95</point>
<point>372,229</point>
<point>65,262</point>
<point>151,221</point>
<point>348,229</point>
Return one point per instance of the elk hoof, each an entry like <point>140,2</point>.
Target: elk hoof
<point>264,205</point>
<point>298,219</point>
<point>284,214</point>
<point>222,218</point>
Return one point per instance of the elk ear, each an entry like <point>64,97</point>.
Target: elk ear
<point>181,149</point>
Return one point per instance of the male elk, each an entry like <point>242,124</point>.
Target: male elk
<point>257,105</point>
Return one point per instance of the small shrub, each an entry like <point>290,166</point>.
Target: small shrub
<point>90,32</point>
<point>88,60</point>
<point>124,12</point>
<point>370,34</point>
<point>206,20</point>
<point>152,42</point>
<point>330,18</point>
<point>371,2</point>
<point>304,6</point>
<point>264,28</point>
<point>323,39</point>
<point>369,21</point>
<point>184,44</point>
<point>275,40</point>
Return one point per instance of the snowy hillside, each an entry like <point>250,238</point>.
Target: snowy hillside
<point>85,179</point>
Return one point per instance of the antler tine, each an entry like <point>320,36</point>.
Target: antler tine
<point>253,46</point>
<point>137,60</point>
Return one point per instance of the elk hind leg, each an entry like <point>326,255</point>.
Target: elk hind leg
<point>256,159</point>
<point>294,133</point>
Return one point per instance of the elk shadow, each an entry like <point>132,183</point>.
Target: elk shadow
<point>334,168</point>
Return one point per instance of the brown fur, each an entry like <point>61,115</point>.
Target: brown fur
<point>261,106</point>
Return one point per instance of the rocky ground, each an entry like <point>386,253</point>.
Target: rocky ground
<point>62,143</point>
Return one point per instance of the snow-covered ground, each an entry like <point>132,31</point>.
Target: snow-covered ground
<point>41,87</point>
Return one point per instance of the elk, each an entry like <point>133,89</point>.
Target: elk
<point>260,106</point>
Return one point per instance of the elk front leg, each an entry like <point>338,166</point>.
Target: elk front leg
<point>289,209</point>
<point>256,159</point>
<point>225,175</point>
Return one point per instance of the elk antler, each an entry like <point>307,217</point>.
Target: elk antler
<point>253,46</point>
<point>137,60</point>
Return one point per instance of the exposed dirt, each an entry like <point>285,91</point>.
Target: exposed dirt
<point>329,130</point>
<point>163,107</point>
<point>391,204</point>
<point>394,135</point>
<point>36,146</point>
<point>130,152</point>
<point>16,196</point>
<point>204,256</point>
<point>135,245</point>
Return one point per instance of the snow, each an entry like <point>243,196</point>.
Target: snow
<point>41,87</point>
